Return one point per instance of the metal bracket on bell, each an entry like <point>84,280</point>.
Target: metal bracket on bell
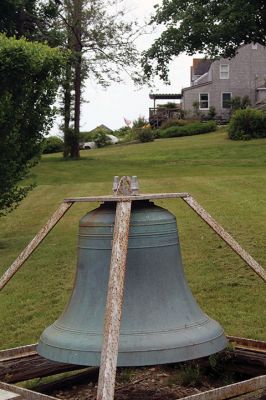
<point>126,186</point>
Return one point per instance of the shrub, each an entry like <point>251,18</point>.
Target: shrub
<point>53,144</point>
<point>190,375</point>
<point>100,138</point>
<point>177,122</point>
<point>29,74</point>
<point>188,130</point>
<point>237,103</point>
<point>139,122</point>
<point>196,110</point>
<point>86,136</point>
<point>247,124</point>
<point>144,135</point>
<point>122,132</point>
<point>130,136</point>
<point>169,122</point>
<point>212,112</point>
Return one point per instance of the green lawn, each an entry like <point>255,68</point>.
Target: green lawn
<point>227,178</point>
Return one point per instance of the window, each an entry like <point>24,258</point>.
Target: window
<point>204,101</point>
<point>224,71</point>
<point>226,98</point>
<point>254,46</point>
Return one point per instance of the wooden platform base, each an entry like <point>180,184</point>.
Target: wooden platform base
<point>23,363</point>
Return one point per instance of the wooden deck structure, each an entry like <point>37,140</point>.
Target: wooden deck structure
<point>157,115</point>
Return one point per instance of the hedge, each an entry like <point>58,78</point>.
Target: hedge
<point>196,128</point>
<point>53,144</point>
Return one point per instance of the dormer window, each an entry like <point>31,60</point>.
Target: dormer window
<point>224,71</point>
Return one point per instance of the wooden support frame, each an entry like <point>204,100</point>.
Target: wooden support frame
<point>23,363</point>
<point>231,391</point>
<point>36,241</point>
<point>25,393</point>
<point>123,197</point>
<point>227,238</point>
<point>114,303</point>
<point>248,346</point>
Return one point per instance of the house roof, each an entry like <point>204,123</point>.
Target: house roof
<point>102,126</point>
<point>196,86</point>
<point>157,96</point>
<point>201,65</point>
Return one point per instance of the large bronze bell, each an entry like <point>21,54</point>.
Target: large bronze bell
<point>161,321</point>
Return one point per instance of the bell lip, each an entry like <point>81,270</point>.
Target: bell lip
<point>136,349</point>
<point>136,358</point>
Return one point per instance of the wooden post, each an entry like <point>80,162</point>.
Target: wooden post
<point>24,255</point>
<point>114,303</point>
<point>226,237</point>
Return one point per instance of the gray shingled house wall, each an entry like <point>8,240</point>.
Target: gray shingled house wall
<point>247,73</point>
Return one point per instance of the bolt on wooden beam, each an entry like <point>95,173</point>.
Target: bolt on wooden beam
<point>226,237</point>
<point>25,254</point>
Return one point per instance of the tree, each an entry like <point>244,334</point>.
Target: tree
<point>33,19</point>
<point>102,47</point>
<point>30,75</point>
<point>214,27</point>
<point>100,40</point>
<point>238,103</point>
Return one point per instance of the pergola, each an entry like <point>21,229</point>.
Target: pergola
<point>160,96</point>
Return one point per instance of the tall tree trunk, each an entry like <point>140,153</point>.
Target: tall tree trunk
<point>77,106</point>
<point>20,22</point>
<point>73,79</point>
<point>77,76</point>
<point>67,110</point>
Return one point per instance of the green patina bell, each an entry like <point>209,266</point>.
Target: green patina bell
<point>161,321</point>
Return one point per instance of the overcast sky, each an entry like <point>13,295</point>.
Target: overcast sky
<point>110,106</point>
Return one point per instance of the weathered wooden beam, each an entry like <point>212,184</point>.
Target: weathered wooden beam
<point>88,375</point>
<point>251,344</point>
<point>22,363</point>
<point>33,366</point>
<point>231,391</point>
<point>25,393</point>
<point>18,352</point>
<point>7,395</point>
<point>25,254</point>
<point>226,237</point>
<point>114,302</point>
<point>119,199</point>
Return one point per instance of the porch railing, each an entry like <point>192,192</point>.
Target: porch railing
<point>158,115</point>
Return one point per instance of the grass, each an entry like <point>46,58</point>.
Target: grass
<point>228,178</point>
